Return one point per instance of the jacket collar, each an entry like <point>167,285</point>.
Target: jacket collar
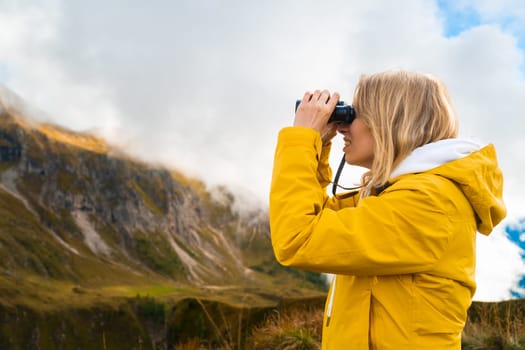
<point>434,154</point>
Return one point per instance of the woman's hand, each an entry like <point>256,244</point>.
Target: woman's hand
<point>314,111</point>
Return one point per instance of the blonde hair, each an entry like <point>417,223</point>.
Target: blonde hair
<point>403,111</point>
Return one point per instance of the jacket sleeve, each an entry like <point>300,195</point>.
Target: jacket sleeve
<point>324,172</point>
<point>402,231</point>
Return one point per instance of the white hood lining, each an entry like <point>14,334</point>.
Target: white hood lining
<point>435,154</point>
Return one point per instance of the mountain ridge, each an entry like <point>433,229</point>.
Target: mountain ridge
<point>76,209</point>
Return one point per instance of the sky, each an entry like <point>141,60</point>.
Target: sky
<point>204,86</point>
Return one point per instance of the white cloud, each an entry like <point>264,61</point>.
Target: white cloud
<point>206,85</point>
<point>499,267</point>
<point>28,41</point>
<point>499,10</point>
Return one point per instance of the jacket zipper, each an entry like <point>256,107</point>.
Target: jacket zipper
<point>330,302</point>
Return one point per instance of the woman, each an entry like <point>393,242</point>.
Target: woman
<point>402,248</point>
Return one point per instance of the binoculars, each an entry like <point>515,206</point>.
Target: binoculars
<point>342,113</point>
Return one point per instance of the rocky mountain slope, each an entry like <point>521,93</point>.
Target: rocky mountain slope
<point>78,217</point>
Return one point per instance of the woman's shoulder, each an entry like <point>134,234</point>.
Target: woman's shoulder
<point>426,184</point>
<point>435,191</point>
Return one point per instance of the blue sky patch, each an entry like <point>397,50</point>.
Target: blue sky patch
<point>516,233</point>
<point>457,20</point>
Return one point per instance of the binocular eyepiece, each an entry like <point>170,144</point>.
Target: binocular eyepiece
<point>342,113</point>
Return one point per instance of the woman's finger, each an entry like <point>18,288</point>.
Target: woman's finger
<point>324,96</point>
<point>315,96</point>
<point>332,102</point>
<point>306,97</point>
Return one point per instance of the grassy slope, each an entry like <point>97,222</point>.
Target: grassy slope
<point>54,277</point>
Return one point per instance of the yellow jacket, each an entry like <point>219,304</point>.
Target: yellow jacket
<point>404,259</point>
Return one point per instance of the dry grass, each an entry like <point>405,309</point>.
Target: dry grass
<point>295,329</point>
<point>495,326</point>
<point>191,344</point>
<point>490,326</point>
<point>292,328</point>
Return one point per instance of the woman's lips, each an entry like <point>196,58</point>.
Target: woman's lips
<point>348,142</point>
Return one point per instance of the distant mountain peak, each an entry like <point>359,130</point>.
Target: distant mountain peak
<point>14,106</point>
<point>13,109</point>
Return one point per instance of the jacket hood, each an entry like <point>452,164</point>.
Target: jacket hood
<point>472,167</point>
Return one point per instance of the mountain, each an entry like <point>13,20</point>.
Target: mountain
<point>83,224</point>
